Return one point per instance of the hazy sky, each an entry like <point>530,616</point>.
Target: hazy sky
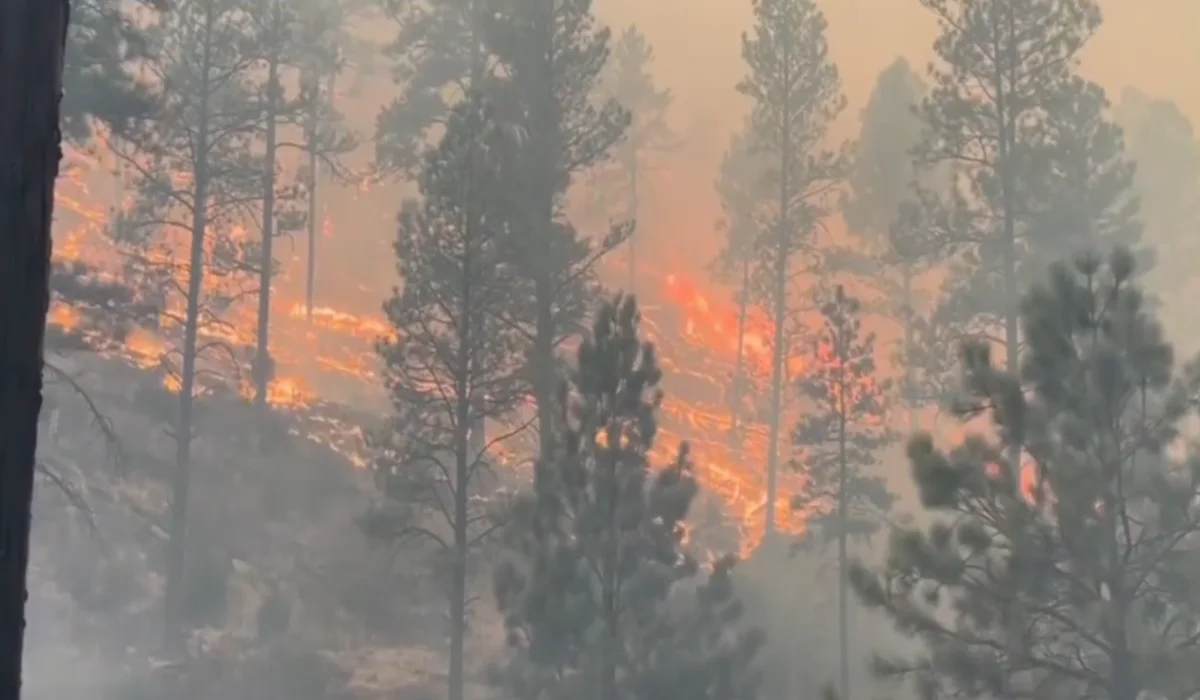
<point>1148,43</point>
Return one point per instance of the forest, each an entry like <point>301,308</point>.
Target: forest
<point>373,349</point>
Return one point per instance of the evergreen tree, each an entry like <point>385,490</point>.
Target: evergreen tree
<point>98,85</point>
<point>196,174</point>
<point>1163,144</point>
<point>796,94</point>
<point>629,82</point>
<point>453,362</point>
<point>437,56</point>
<point>885,190</point>
<point>1021,134</point>
<point>838,441</point>
<point>326,51</point>
<point>597,560</point>
<point>31,74</point>
<point>293,36</point>
<point>1074,578</point>
<point>550,56</point>
<point>744,193</point>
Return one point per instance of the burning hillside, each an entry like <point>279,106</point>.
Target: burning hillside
<point>325,367</point>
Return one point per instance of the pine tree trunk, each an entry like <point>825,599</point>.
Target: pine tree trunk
<point>1007,144</point>
<point>735,408</point>
<point>262,356</point>
<point>173,632</point>
<point>910,379</point>
<point>843,515</point>
<point>633,213</point>
<point>780,351</point>
<point>609,574</point>
<point>310,278</point>
<point>458,583</point>
<point>32,41</point>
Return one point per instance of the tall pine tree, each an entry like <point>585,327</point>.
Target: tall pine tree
<point>1035,171</point>
<point>551,56</point>
<point>744,193</point>
<point>453,362</point>
<point>796,95</point>
<point>628,81</point>
<point>837,443</point>
<point>196,173</point>
<point>885,191</point>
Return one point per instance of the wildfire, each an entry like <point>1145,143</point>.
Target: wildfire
<point>327,354</point>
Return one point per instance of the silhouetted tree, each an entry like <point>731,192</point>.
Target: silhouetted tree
<point>1036,172</point>
<point>196,175</point>
<point>98,86</point>
<point>437,54</point>
<point>628,80</point>
<point>551,56</point>
<point>882,208</point>
<point>837,442</point>
<point>796,95</point>
<point>745,193</point>
<point>327,51</point>
<point>1162,142</point>
<point>1075,577</point>
<point>597,560</point>
<point>453,362</point>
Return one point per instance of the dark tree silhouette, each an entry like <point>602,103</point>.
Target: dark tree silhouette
<point>33,36</point>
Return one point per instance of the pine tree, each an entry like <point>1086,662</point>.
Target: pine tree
<point>885,192</point>
<point>327,51</point>
<point>596,550</point>
<point>454,362</point>
<point>551,56</point>
<point>629,82</point>
<point>744,193</point>
<point>1162,142</point>
<point>1011,118</point>
<point>1075,578</point>
<point>437,55</point>
<point>796,94</point>
<point>98,85</point>
<point>837,441</point>
<point>31,74</point>
<point>293,36</point>
<point>196,174</point>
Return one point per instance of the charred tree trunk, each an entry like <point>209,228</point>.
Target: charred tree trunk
<point>173,634</point>
<point>32,41</point>
<point>263,366</point>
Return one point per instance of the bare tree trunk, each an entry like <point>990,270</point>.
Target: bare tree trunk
<point>262,357</point>
<point>633,212</point>
<point>842,510</point>
<point>173,637</point>
<point>310,279</point>
<point>910,379</point>
<point>32,41</point>
<point>739,388</point>
<point>458,583</point>
<point>779,357</point>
